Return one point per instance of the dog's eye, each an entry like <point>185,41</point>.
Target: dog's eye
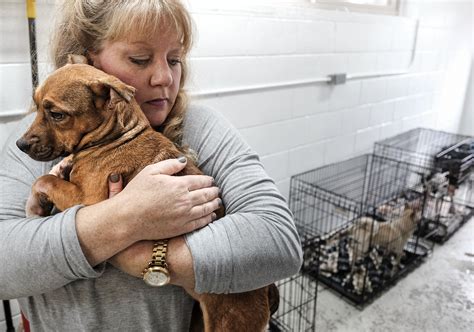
<point>56,116</point>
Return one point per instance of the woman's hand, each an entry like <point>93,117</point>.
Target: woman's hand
<point>135,258</point>
<point>160,206</point>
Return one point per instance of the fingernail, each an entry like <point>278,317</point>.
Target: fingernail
<point>214,216</point>
<point>220,202</point>
<point>114,178</point>
<point>182,159</point>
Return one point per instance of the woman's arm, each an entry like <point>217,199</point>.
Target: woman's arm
<point>135,258</point>
<point>256,243</point>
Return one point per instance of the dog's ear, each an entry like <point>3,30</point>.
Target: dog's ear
<point>119,90</point>
<point>76,59</point>
<point>111,89</point>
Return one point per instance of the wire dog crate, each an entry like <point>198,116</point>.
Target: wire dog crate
<point>357,220</point>
<point>297,308</point>
<point>448,156</point>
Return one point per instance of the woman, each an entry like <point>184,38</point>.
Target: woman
<point>59,267</point>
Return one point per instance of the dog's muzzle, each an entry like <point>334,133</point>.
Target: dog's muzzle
<point>24,145</point>
<point>36,150</point>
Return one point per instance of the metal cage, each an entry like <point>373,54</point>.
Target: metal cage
<point>418,146</point>
<point>358,220</point>
<point>449,157</point>
<point>297,308</point>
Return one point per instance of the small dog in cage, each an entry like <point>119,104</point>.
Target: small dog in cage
<point>391,235</point>
<point>361,233</point>
<point>395,234</point>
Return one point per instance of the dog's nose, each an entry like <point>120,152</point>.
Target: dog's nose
<point>23,145</point>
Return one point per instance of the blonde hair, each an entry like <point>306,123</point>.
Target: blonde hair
<point>84,26</point>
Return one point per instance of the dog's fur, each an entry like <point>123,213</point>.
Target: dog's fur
<point>395,234</point>
<point>105,132</point>
<point>391,235</point>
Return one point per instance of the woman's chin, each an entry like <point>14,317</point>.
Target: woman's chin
<point>156,118</point>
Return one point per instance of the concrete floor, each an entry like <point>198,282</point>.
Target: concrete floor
<point>437,296</point>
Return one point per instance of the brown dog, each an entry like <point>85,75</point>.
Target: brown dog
<point>93,116</point>
<point>391,235</point>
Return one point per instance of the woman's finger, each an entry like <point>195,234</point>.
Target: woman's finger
<point>200,222</point>
<point>205,209</point>
<point>168,166</point>
<point>204,195</point>
<point>115,184</point>
<point>195,182</point>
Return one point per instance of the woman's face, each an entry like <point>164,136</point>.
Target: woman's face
<point>152,66</point>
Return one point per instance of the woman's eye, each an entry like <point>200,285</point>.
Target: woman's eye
<point>139,61</point>
<point>174,62</point>
<point>56,116</point>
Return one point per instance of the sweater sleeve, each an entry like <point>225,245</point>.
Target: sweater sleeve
<point>256,243</point>
<point>36,254</point>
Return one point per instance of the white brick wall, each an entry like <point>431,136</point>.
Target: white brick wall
<point>316,124</point>
<point>299,127</point>
<point>257,45</point>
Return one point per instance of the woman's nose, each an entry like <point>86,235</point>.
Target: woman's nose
<point>161,75</point>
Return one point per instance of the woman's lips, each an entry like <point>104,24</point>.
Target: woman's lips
<point>160,102</point>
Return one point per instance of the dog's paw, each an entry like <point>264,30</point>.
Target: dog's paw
<point>63,168</point>
<point>38,205</point>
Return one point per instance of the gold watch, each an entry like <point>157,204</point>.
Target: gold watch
<point>156,274</point>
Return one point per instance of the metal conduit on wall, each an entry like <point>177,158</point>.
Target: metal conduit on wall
<point>330,79</point>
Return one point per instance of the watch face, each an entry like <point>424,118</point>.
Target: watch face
<point>156,276</point>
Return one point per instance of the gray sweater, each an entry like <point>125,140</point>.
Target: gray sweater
<point>41,262</point>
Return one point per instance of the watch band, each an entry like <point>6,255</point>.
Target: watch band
<point>158,257</point>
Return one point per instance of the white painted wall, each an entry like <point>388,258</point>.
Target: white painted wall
<point>467,120</point>
<point>264,43</point>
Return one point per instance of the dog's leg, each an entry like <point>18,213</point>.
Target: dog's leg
<point>38,205</point>
<point>273,298</point>
<point>49,190</point>
<point>242,312</point>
